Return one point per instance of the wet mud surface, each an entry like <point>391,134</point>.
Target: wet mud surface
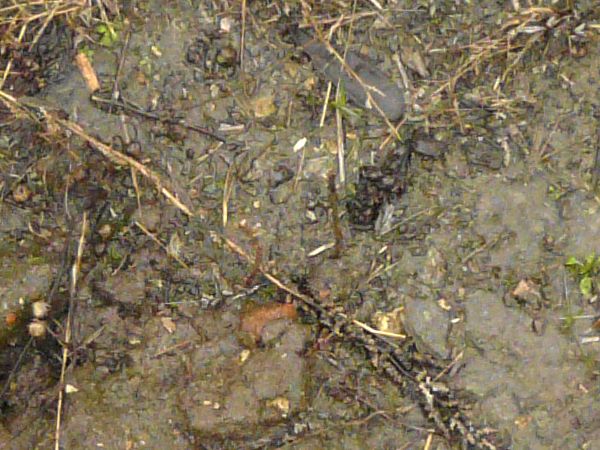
<point>454,242</point>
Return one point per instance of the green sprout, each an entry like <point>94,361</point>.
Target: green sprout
<point>108,34</point>
<point>340,103</point>
<point>85,49</point>
<point>585,271</point>
<point>114,254</point>
<point>567,325</point>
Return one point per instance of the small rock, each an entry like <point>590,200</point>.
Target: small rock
<point>428,324</point>
<point>263,106</point>
<point>390,98</point>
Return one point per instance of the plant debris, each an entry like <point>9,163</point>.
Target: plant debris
<point>363,82</point>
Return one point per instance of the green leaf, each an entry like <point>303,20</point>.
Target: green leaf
<point>349,112</point>
<point>585,286</point>
<point>588,265</point>
<point>341,98</point>
<point>572,261</point>
<point>108,35</point>
<point>568,324</point>
<point>105,40</point>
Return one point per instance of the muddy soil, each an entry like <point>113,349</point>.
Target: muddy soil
<point>458,250</point>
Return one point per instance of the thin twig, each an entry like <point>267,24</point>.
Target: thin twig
<point>177,346</point>
<point>449,366</point>
<point>116,92</point>
<point>325,104</point>
<point>120,158</point>
<point>243,35</point>
<point>484,247</point>
<point>241,252</point>
<point>13,371</point>
<point>304,298</point>
<point>227,191</point>
<point>109,152</point>
<point>160,244</point>
<point>65,353</point>
<point>335,216</point>
<point>341,20</point>
<point>129,108</point>
<point>26,19</point>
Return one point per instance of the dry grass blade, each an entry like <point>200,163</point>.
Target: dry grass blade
<point>31,11</point>
<point>161,245</point>
<point>52,13</point>
<point>227,191</point>
<point>376,4</point>
<point>9,64</point>
<point>119,158</point>
<point>56,123</point>
<point>377,332</point>
<point>249,259</point>
<point>243,35</point>
<point>325,104</point>
<point>65,352</point>
<point>533,21</point>
<point>341,151</point>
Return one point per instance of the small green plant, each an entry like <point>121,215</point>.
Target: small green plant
<point>567,325</point>
<point>590,362</point>
<point>340,103</point>
<point>87,51</point>
<point>114,254</point>
<point>554,192</point>
<point>108,34</point>
<point>585,272</point>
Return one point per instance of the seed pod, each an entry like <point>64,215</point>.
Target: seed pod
<point>40,309</point>
<point>37,328</point>
<point>21,193</point>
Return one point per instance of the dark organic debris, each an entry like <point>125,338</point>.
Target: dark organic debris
<point>212,56</point>
<point>384,92</point>
<point>377,186</point>
<point>417,375</point>
<point>335,219</point>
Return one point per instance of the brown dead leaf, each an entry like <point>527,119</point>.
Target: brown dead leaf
<point>253,321</point>
<point>525,289</point>
<point>168,324</point>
